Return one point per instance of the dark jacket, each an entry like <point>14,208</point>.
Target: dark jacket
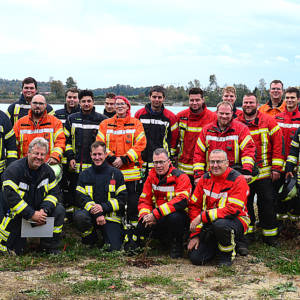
<point>26,191</point>
<point>81,131</point>
<point>62,114</point>
<point>102,185</point>
<point>20,109</point>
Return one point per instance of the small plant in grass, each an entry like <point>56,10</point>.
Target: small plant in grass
<point>154,280</point>
<point>57,277</point>
<point>225,271</point>
<point>276,291</point>
<point>37,293</point>
<point>96,286</point>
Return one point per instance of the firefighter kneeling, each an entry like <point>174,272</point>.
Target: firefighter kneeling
<point>218,212</point>
<point>101,193</point>
<point>162,205</point>
<point>31,192</point>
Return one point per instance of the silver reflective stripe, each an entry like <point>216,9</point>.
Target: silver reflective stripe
<point>222,139</point>
<point>214,195</point>
<point>120,132</point>
<point>30,131</point>
<point>154,121</point>
<point>283,125</point>
<point>85,126</point>
<point>26,106</point>
<point>163,188</point>
<point>24,186</point>
<point>43,182</point>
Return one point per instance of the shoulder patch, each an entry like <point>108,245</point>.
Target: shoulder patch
<point>206,175</point>
<point>177,172</point>
<point>233,175</point>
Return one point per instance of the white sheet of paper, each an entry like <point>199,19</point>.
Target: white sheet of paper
<point>45,230</point>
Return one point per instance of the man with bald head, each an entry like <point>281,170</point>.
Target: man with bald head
<point>38,123</point>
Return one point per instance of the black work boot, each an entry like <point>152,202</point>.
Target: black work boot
<point>224,259</point>
<point>176,248</point>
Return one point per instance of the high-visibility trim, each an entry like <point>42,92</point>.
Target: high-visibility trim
<point>186,168</point>
<point>275,129</point>
<point>250,229</point>
<point>144,211</point>
<point>133,155</point>
<point>154,121</point>
<point>236,201</point>
<point>51,199</point>
<point>247,160</point>
<point>57,229</point>
<point>3,248</point>
<point>66,132</point>
<point>163,188</point>
<point>245,141</point>
<point>277,162</point>
<point>294,144</point>
<point>215,195</point>
<point>114,203</point>
<point>270,232</point>
<point>222,139</point>
<point>201,145</point>
<point>57,133</point>
<point>85,126</point>
<point>57,150</point>
<point>120,189</point>
<point>100,135</point>
<point>131,174</point>
<point>213,214</point>
<point>11,154</point>
<point>87,232</point>
<point>89,205</point>
<point>81,167</point>
<point>19,207</point>
<point>120,132</point>
<point>225,248</point>
<point>43,183</point>
<point>52,185</point>
<point>143,195</point>
<point>89,191</point>
<point>140,136</point>
<point>285,125</point>
<point>185,193</point>
<point>194,198</point>
<point>34,131</point>
<point>80,189</point>
<point>292,159</point>
<point>259,131</point>
<point>165,209</point>
<point>199,166</point>
<point>9,134</point>
<point>11,184</point>
<point>69,147</point>
<point>113,219</point>
<point>174,126</point>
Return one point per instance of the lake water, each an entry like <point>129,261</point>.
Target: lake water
<point>99,108</point>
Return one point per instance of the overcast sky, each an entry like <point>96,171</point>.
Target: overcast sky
<point>143,43</point>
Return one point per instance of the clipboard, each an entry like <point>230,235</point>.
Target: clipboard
<point>46,230</point>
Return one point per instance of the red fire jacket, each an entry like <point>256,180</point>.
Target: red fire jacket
<point>219,197</point>
<point>268,139</point>
<point>190,125</point>
<point>235,140</point>
<point>289,122</point>
<point>166,195</point>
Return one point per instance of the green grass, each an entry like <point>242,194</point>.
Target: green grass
<point>37,293</point>
<point>225,271</point>
<point>57,277</point>
<point>284,259</point>
<point>276,291</point>
<point>95,286</point>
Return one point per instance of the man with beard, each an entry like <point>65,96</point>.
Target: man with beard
<point>21,107</point>
<point>191,122</point>
<point>268,139</point>
<point>229,135</point>
<point>39,124</point>
<point>276,104</point>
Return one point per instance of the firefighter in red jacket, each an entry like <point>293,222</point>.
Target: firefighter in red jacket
<point>218,212</point>
<point>268,139</point>
<point>191,121</point>
<point>229,135</point>
<point>162,204</point>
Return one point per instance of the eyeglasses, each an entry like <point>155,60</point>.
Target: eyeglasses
<point>159,162</point>
<point>120,104</point>
<point>38,103</point>
<point>217,162</point>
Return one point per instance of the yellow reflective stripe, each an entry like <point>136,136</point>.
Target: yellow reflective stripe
<point>9,134</point>
<point>52,185</point>
<point>247,160</point>
<point>114,203</point>
<point>200,145</point>
<point>174,126</point>
<point>140,136</point>
<point>245,141</point>
<point>131,174</point>
<point>57,229</point>
<point>250,229</point>
<point>100,135</point>
<point>225,248</point>
<point>120,189</point>
<point>164,208</point>
<point>3,248</point>
<point>51,199</point>
<point>57,150</point>
<point>58,132</point>
<point>194,198</point>
<point>20,206</point>
<point>199,166</point>
<point>294,144</point>
<point>113,219</point>
<point>11,154</point>
<point>143,195</point>
<point>89,205</point>
<point>66,132</point>
<point>12,185</point>
<point>87,232</point>
<point>144,210</point>
<point>132,154</point>
<point>236,201</point>
<point>292,159</point>
<point>89,191</point>
<point>276,128</point>
<point>270,232</point>
<point>80,189</point>
<point>185,193</point>
<point>68,147</point>
<point>277,162</point>
<point>213,214</point>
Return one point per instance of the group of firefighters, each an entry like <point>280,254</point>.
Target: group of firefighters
<point>155,174</point>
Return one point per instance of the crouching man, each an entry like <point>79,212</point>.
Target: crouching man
<point>162,204</point>
<point>218,212</point>
<point>31,192</point>
<point>101,193</point>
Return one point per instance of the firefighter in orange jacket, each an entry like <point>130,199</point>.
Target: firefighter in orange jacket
<point>268,139</point>
<point>191,121</point>
<point>218,212</point>
<point>229,135</point>
<point>125,139</point>
<point>162,204</point>
<point>38,123</point>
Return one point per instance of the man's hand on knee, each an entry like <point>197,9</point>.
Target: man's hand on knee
<point>193,243</point>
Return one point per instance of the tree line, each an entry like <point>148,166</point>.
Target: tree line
<point>54,91</point>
